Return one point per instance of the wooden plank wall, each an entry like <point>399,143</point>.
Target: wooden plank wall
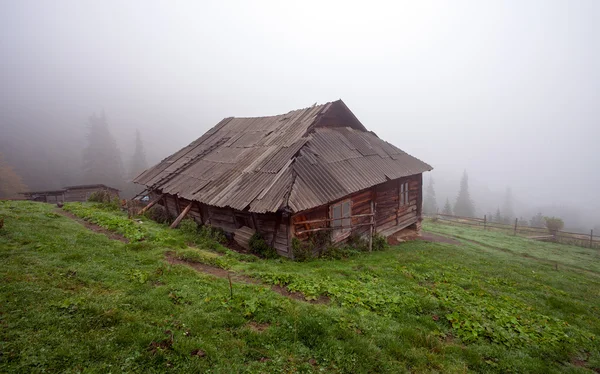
<point>230,220</point>
<point>390,216</point>
<point>82,194</point>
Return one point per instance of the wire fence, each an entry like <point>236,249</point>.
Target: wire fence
<point>538,233</point>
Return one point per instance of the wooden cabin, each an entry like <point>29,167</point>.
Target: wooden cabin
<point>69,194</point>
<point>291,175</point>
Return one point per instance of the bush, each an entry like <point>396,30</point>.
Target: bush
<point>379,242</point>
<point>1,223</point>
<point>259,246</point>
<point>107,200</point>
<point>213,233</point>
<point>338,252</point>
<point>302,250</point>
<point>188,226</point>
<point>358,243</point>
<point>554,224</point>
<point>159,213</point>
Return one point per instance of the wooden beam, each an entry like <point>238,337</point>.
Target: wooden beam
<point>331,219</point>
<point>150,205</point>
<point>181,216</point>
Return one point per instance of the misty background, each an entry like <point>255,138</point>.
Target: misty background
<point>505,90</point>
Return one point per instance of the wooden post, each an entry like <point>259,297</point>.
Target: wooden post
<point>181,216</point>
<point>591,238</point>
<point>177,206</point>
<point>150,205</point>
<point>485,221</point>
<point>371,227</point>
<point>516,219</point>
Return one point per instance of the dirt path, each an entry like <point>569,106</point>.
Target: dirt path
<point>436,238</point>
<point>92,226</point>
<point>238,278</point>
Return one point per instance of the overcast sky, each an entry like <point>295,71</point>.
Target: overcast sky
<point>508,90</point>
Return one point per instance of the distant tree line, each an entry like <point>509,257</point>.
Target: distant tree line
<point>465,207</point>
<point>100,162</point>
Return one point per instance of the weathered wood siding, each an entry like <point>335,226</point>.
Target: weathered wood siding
<point>390,215</point>
<point>273,226</point>
<point>82,194</point>
<point>278,229</point>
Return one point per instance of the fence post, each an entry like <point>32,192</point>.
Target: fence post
<point>591,238</point>
<point>484,221</point>
<point>516,219</point>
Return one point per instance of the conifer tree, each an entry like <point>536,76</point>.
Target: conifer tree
<point>101,158</point>
<point>507,210</point>
<point>430,204</point>
<point>498,216</point>
<point>138,161</point>
<point>464,205</point>
<point>447,208</point>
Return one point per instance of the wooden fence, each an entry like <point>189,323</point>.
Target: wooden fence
<point>538,233</point>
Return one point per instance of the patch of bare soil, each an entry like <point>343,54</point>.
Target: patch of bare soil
<point>222,273</point>
<point>257,327</point>
<point>435,238</point>
<point>92,226</point>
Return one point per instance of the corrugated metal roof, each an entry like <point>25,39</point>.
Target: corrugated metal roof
<point>301,159</point>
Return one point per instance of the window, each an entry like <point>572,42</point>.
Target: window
<point>404,194</point>
<point>340,214</point>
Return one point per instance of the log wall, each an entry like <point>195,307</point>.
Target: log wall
<point>390,215</point>
<point>278,229</point>
<point>273,226</point>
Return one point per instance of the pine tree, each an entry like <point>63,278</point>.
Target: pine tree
<point>464,205</point>
<point>507,210</point>
<point>447,208</point>
<point>430,204</point>
<point>102,159</point>
<point>537,221</point>
<point>498,216</point>
<point>138,161</point>
<point>10,182</point>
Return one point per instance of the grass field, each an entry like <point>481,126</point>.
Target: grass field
<point>73,300</point>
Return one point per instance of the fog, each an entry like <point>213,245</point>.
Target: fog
<point>507,90</point>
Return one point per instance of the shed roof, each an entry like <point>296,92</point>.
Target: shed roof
<point>298,160</point>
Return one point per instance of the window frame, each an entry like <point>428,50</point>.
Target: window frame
<point>403,194</point>
<point>344,220</point>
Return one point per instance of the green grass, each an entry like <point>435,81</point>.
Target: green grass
<point>72,300</point>
<point>568,255</point>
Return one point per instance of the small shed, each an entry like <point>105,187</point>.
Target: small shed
<point>291,175</point>
<point>69,194</point>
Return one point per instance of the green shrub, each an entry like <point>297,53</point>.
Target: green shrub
<point>108,200</point>
<point>358,243</point>
<point>188,226</point>
<point>554,224</point>
<point>259,246</point>
<point>213,233</point>
<point>160,214</point>
<point>379,242</point>
<point>339,252</point>
<point>302,250</point>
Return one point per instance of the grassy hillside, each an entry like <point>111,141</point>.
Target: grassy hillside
<point>73,300</point>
